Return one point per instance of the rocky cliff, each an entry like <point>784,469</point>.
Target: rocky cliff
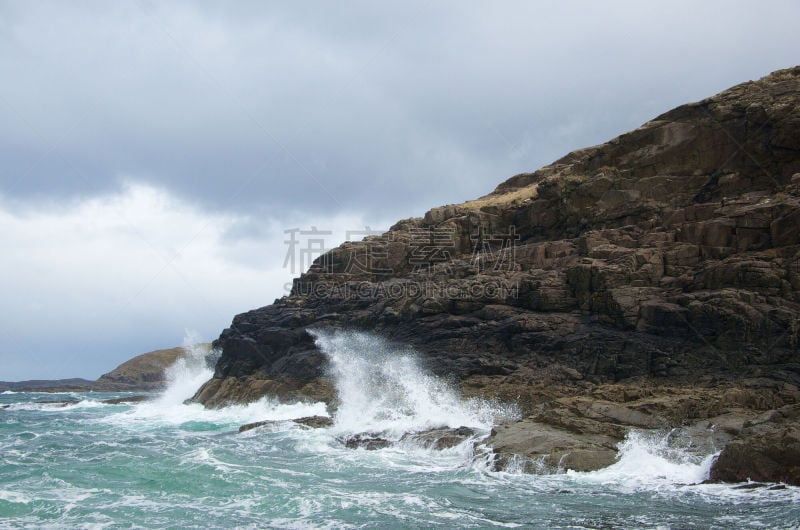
<point>667,258</point>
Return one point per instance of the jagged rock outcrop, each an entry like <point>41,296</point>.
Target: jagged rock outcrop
<point>768,449</point>
<point>670,253</point>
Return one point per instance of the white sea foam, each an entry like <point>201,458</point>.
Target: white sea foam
<point>14,497</point>
<point>185,376</point>
<point>33,405</point>
<point>85,404</point>
<point>382,388</point>
<point>647,460</point>
<point>205,457</point>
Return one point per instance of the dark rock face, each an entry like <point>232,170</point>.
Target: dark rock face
<point>768,450</point>
<point>670,253</point>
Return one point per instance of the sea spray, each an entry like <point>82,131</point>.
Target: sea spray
<point>186,374</point>
<point>184,377</point>
<point>647,460</point>
<point>383,389</point>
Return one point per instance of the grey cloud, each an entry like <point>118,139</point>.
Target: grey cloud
<point>324,106</point>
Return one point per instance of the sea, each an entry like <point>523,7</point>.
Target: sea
<point>166,463</point>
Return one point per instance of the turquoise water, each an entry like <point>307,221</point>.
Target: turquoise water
<point>165,464</point>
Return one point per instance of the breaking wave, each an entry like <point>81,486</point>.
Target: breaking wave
<point>382,388</point>
<point>648,460</point>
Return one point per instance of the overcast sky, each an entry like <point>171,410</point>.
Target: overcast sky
<point>153,154</point>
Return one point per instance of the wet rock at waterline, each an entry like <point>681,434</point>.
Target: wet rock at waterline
<point>759,485</point>
<point>313,422</point>
<point>368,441</point>
<point>439,438</point>
<point>534,447</point>
<point>125,400</point>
